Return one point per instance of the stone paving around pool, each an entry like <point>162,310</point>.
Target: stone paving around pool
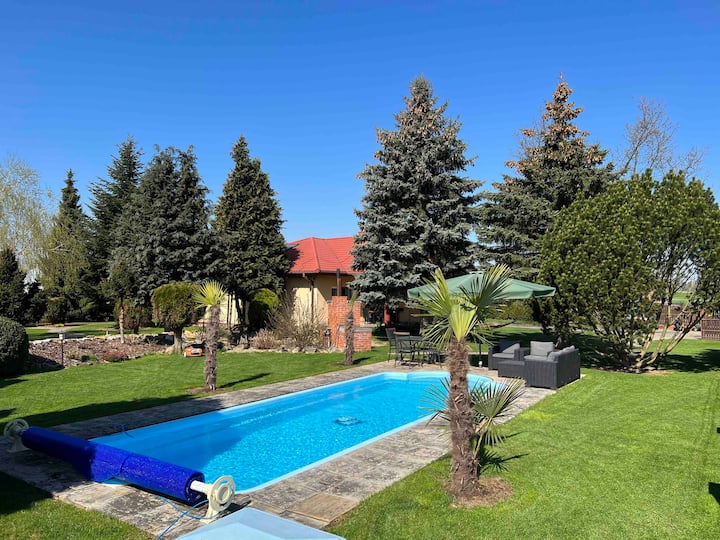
<point>314,497</point>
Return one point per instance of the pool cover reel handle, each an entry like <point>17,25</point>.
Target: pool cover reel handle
<point>220,494</point>
<point>13,431</point>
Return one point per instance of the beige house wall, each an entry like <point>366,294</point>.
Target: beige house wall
<point>314,290</point>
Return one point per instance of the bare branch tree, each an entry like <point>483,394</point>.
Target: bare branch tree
<point>651,143</point>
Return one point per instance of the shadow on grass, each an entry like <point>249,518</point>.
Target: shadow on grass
<point>246,379</point>
<point>8,382</point>
<point>16,495</point>
<point>707,360</point>
<point>714,490</point>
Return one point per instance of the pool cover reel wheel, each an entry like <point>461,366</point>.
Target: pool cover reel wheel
<point>13,431</point>
<point>219,494</point>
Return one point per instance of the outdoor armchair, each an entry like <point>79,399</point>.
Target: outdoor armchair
<point>505,350</point>
<point>557,369</point>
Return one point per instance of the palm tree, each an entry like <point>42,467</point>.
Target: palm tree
<point>211,294</point>
<point>455,318</point>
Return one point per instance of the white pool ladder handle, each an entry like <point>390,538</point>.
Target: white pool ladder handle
<point>220,494</point>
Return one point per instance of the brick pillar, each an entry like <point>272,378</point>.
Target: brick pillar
<point>337,314</point>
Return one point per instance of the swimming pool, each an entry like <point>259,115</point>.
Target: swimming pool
<point>262,442</point>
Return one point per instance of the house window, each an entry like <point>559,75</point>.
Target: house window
<point>345,292</point>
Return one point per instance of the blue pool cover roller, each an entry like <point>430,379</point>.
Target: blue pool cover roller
<point>100,463</point>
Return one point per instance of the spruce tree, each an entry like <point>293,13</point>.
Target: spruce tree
<point>109,197</point>
<point>417,211</point>
<point>163,235</point>
<point>248,227</point>
<point>13,298</point>
<point>65,266</point>
<point>557,166</point>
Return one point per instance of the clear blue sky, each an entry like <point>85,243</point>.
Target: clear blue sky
<point>307,83</point>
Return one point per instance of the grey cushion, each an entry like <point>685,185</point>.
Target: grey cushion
<point>511,348</point>
<point>504,356</point>
<point>541,348</point>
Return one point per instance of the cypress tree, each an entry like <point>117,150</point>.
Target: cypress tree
<point>417,211</point>
<point>557,166</point>
<point>109,197</point>
<point>65,266</point>
<point>12,287</point>
<point>163,235</point>
<point>248,226</point>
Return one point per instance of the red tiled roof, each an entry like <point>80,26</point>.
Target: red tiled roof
<point>321,255</point>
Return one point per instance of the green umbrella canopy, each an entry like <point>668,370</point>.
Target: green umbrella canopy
<point>515,290</point>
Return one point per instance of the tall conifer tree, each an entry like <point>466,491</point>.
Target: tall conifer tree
<point>556,167</point>
<point>13,297</point>
<point>65,266</point>
<point>109,197</point>
<point>248,227</point>
<point>164,234</point>
<point>417,212</point>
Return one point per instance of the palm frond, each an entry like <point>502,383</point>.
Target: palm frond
<point>209,293</point>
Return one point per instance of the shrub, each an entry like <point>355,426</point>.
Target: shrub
<point>13,347</point>
<point>297,324</point>
<point>263,303</point>
<point>114,356</point>
<point>518,310</point>
<point>265,339</point>
<point>57,310</point>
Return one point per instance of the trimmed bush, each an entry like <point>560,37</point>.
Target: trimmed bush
<point>263,303</point>
<point>13,347</point>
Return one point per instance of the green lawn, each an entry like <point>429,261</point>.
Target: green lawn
<point>612,456</point>
<point>83,329</point>
<point>82,392</point>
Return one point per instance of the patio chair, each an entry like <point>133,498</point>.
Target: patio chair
<point>391,342</point>
<point>505,350</point>
<point>557,369</point>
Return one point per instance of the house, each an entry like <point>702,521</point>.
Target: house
<point>320,272</point>
<point>320,269</point>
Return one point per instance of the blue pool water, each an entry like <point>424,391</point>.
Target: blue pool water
<point>265,441</point>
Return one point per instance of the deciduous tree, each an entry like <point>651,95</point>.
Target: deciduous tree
<point>24,212</point>
<point>417,212</point>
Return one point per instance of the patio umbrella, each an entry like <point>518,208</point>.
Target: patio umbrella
<point>515,290</point>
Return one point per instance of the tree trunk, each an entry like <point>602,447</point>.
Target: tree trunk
<point>211,349</point>
<point>464,465</point>
<point>349,337</point>
<point>177,342</point>
<point>121,321</point>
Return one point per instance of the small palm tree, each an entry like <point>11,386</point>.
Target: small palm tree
<point>455,318</point>
<point>211,294</point>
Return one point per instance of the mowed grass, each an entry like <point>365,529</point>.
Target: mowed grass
<point>29,513</point>
<point>611,456</point>
<point>82,392</point>
<point>614,455</point>
<point>79,393</point>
